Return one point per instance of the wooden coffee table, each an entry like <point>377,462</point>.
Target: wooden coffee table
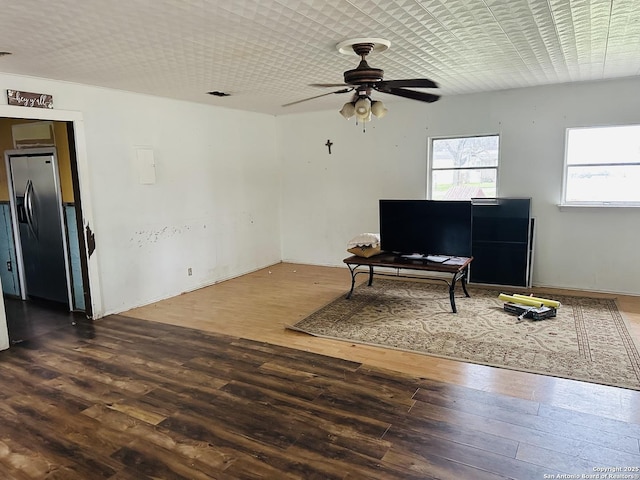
<point>458,267</point>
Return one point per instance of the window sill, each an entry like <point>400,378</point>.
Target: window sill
<point>572,206</point>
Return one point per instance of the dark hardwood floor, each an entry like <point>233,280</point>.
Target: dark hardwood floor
<point>28,320</point>
<point>126,399</point>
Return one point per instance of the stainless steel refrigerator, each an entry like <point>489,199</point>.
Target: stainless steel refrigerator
<point>38,224</point>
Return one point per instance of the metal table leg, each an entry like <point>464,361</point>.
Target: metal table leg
<point>352,269</point>
<point>462,276</point>
<point>464,282</point>
<point>452,299</point>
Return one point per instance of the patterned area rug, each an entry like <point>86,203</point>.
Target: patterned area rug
<point>588,339</point>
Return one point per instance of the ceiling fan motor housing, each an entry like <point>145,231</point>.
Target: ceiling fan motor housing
<point>363,73</point>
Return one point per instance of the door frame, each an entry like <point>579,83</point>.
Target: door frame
<point>95,308</point>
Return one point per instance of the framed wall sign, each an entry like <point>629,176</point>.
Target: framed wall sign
<point>29,99</point>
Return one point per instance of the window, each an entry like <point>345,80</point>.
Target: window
<point>602,166</point>
<point>462,168</point>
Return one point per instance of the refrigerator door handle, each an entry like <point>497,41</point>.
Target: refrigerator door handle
<point>28,200</point>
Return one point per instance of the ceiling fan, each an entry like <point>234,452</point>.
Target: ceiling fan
<point>364,79</point>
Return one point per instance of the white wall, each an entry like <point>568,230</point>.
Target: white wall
<point>214,206</point>
<point>327,199</point>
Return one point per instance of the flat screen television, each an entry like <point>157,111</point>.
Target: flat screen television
<point>502,234</point>
<point>426,227</point>
<point>501,220</point>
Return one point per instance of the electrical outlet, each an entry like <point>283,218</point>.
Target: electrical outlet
<point>189,271</point>
<point>9,266</point>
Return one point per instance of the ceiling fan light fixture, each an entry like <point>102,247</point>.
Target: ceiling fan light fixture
<point>363,107</point>
<point>364,118</point>
<point>378,109</point>
<point>348,110</point>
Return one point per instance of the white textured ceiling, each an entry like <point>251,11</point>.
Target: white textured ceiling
<point>265,53</point>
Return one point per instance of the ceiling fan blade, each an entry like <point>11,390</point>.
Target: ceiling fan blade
<point>415,83</point>
<point>344,90</point>
<point>328,85</point>
<point>412,94</point>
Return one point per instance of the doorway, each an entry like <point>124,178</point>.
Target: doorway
<point>19,300</point>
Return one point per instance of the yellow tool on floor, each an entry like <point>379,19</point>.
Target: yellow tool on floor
<point>545,301</point>
<point>529,300</point>
<point>526,306</point>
